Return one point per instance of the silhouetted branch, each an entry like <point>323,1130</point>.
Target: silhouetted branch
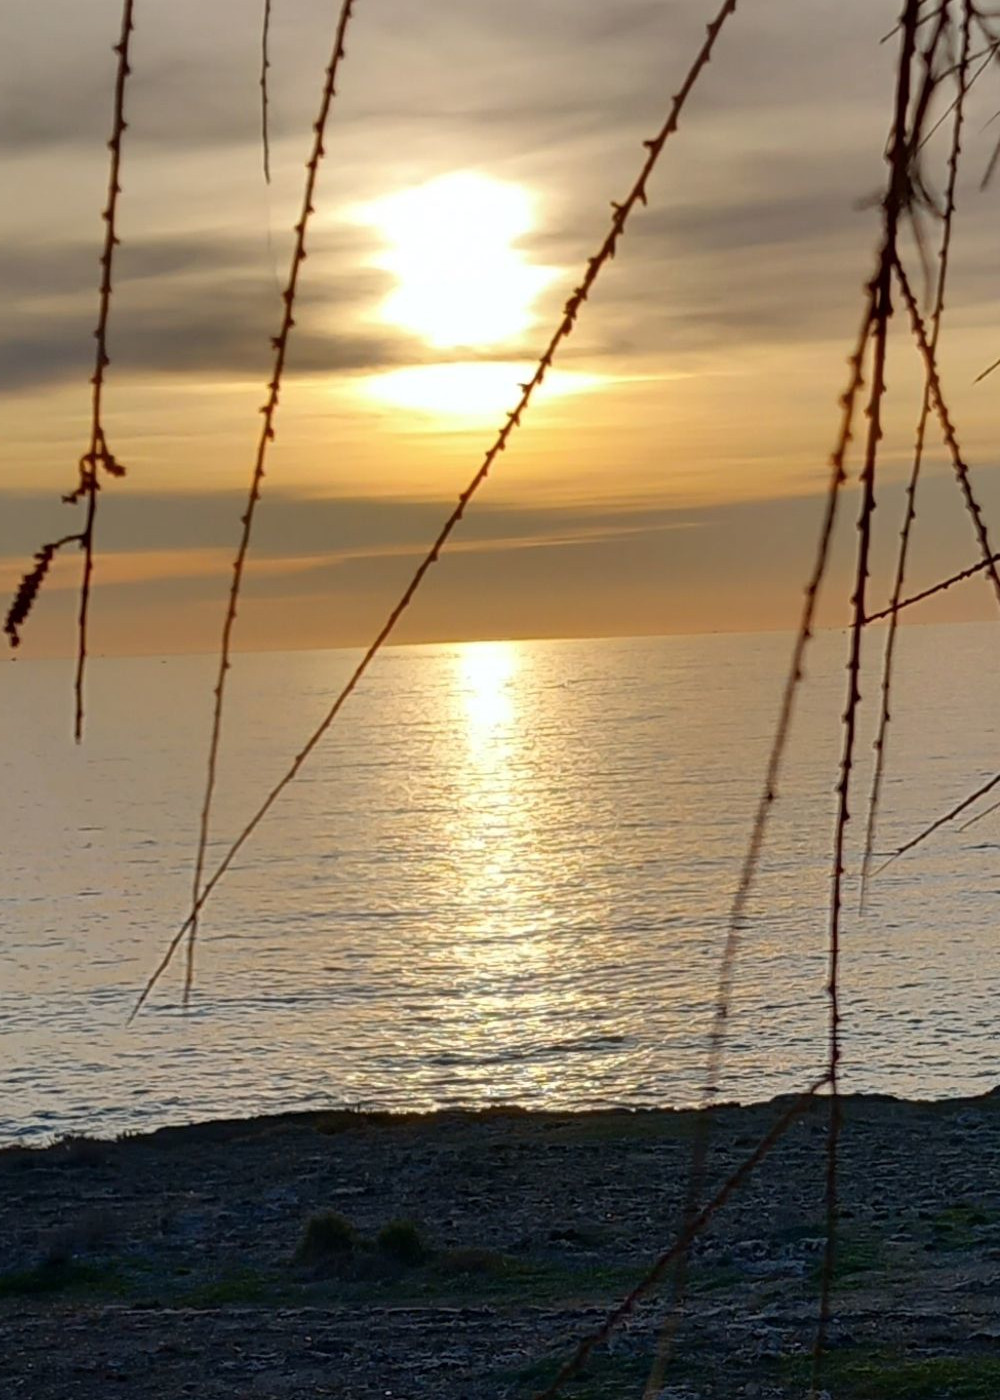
<point>769,794</point>
<point>994,50</point>
<point>949,433</point>
<point>949,816</point>
<point>991,53</point>
<point>895,204</point>
<point>98,456</point>
<point>960,577</point>
<point>980,816</point>
<point>683,1242</point>
<point>881,739</point>
<point>269,411</point>
<point>265,64</point>
<point>636,195</point>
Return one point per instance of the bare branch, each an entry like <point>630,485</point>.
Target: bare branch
<point>265,64</point>
<point>267,432</point>
<point>894,206</point>
<point>620,213</point>
<point>881,740</point>
<point>98,456</point>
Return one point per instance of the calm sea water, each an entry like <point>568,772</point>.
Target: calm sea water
<point>504,877</point>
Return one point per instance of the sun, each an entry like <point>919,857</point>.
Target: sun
<point>451,245</point>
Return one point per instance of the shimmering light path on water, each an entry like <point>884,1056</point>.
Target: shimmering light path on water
<point>504,878</point>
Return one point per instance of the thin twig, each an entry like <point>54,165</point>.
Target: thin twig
<point>895,202</point>
<point>636,195</point>
<point>989,370</point>
<point>929,85</point>
<point>924,19</point>
<point>98,455</point>
<point>960,577</point>
<point>755,846</point>
<point>267,432</point>
<point>992,53</point>
<point>948,431</point>
<point>265,64</point>
<point>683,1242</point>
<point>980,816</point>
<point>949,816</point>
<point>995,45</point>
<point>881,740</point>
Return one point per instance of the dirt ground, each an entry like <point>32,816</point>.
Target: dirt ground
<point>183,1263</point>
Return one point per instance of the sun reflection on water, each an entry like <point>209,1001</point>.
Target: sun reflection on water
<point>485,673</point>
<point>506,876</point>
<point>494,830</point>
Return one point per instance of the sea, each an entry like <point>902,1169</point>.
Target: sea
<point>503,877</point>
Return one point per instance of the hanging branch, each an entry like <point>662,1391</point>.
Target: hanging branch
<point>949,816</point>
<point>684,1240</point>
<point>994,49</point>
<point>990,558</point>
<point>769,794</point>
<point>269,411</point>
<point>941,587</point>
<point>98,456</point>
<point>751,860</point>
<point>265,64</point>
<point>980,816</point>
<point>991,52</point>
<point>636,195</point>
<point>984,58</point>
<point>948,431</point>
<point>894,205</point>
<point>881,739</point>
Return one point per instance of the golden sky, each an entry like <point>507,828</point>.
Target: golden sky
<point>670,479</point>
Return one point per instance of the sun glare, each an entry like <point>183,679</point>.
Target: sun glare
<point>450,244</point>
<point>485,673</point>
<point>477,391</point>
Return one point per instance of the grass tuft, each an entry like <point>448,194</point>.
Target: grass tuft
<point>327,1238</point>
<point>402,1242</point>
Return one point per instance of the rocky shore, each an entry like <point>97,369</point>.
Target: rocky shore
<point>461,1256</point>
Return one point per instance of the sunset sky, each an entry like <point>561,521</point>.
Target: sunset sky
<point>670,480</point>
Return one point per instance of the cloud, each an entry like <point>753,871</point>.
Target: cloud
<point>325,571</point>
<point>188,304</point>
<point>753,247</point>
<point>305,526</point>
<point>323,531</point>
<point>751,234</point>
